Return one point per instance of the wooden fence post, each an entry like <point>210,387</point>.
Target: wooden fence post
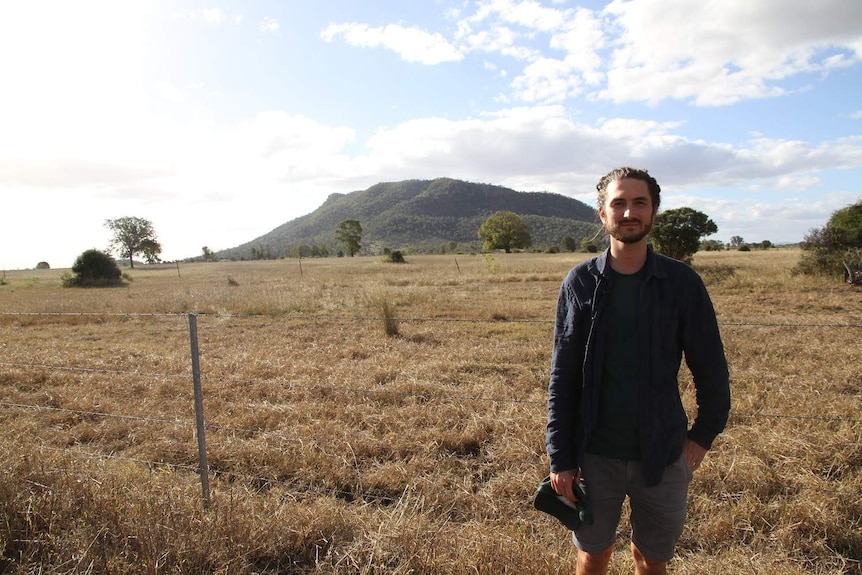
<point>199,411</point>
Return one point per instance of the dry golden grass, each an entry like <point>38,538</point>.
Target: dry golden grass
<point>336,447</point>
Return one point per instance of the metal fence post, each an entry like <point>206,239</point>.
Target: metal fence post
<point>199,410</point>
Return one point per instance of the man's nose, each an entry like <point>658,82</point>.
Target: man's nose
<point>627,212</point>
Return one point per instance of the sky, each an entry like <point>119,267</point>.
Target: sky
<point>218,121</point>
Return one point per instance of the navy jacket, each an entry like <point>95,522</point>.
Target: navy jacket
<point>676,317</point>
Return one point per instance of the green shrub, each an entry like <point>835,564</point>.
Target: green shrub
<point>94,269</point>
<point>394,256</point>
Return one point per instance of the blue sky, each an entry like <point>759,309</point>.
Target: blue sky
<point>219,121</point>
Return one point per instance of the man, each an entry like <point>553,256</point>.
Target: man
<point>615,418</point>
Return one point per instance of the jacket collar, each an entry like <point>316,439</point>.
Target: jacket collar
<point>654,265</point>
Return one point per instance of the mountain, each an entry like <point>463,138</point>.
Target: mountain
<point>422,215</point>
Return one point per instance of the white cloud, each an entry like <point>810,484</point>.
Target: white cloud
<point>547,80</point>
<point>542,148</point>
<point>411,44</point>
<point>797,183</point>
<point>711,53</point>
<point>842,153</point>
<point>82,125</point>
<point>213,15</point>
<point>527,14</point>
<point>268,24</point>
<point>581,38</point>
<point>220,177</point>
<point>718,52</point>
<point>171,93</point>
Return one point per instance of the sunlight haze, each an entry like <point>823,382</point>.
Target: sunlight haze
<point>219,122</point>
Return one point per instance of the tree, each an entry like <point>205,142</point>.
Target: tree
<point>569,244</point>
<point>261,252</point>
<point>711,245</point>
<point>304,251</point>
<point>677,233</point>
<point>847,223</point>
<point>93,269</point>
<point>736,241</point>
<point>349,233</point>
<point>208,254</point>
<point>134,236</point>
<point>151,250</point>
<point>827,248</point>
<point>504,231</point>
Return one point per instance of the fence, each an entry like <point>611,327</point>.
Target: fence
<point>196,376</point>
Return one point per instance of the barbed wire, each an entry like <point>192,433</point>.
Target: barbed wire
<point>415,319</point>
<point>92,314</point>
<point>107,415</point>
<point>357,494</point>
<point>261,482</point>
<point>97,370</point>
<point>86,413</point>
<point>219,473</point>
<point>725,485</point>
<point>421,395</point>
<point>247,431</point>
<point>799,417</point>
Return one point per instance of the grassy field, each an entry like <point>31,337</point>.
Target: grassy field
<point>337,448</point>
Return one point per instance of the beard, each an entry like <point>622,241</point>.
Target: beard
<point>630,237</point>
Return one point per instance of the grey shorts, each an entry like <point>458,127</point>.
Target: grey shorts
<point>657,513</point>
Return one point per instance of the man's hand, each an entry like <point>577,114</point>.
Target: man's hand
<point>693,453</point>
<point>562,483</point>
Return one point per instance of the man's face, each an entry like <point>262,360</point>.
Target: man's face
<point>628,212</point>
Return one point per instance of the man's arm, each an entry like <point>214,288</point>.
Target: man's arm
<point>564,386</point>
<point>704,355</point>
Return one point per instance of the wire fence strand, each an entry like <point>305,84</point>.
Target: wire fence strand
<point>360,318</point>
<point>423,395</point>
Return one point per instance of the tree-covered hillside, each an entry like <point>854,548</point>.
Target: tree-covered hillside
<point>422,215</point>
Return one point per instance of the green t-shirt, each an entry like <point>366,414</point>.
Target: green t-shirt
<point>616,433</point>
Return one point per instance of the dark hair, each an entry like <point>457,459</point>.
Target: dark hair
<point>634,174</point>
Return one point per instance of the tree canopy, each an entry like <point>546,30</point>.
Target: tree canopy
<point>349,233</point>
<point>504,230</point>
<point>839,241</point>
<point>94,269</point>
<point>134,236</point>
<point>677,233</point>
